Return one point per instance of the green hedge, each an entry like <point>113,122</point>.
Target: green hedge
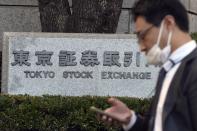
<point>56,113</point>
<point>194,36</point>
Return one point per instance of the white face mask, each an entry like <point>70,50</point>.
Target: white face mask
<point>156,55</point>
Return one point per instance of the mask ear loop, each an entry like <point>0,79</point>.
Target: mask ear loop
<point>166,50</point>
<point>169,38</point>
<point>160,32</point>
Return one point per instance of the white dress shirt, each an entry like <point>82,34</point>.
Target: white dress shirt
<point>177,56</point>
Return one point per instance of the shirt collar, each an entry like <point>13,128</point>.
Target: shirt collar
<point>179,54</point>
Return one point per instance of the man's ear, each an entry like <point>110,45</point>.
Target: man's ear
<point>170,22</point>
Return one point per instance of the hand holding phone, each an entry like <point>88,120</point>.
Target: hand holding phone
<point>113,116</point>
<point>99,111</point>
<point>110,115</point>
<point>117,112</point>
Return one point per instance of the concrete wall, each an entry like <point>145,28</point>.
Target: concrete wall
<point>19,16</point>
<point>23,15</point>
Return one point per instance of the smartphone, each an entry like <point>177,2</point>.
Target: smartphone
<point>99,111</point>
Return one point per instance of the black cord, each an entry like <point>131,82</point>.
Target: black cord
<point>192,12</point>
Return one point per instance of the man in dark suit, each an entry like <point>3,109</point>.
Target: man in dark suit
<point>162,30</point>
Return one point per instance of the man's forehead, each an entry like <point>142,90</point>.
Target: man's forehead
<point>140,23</point>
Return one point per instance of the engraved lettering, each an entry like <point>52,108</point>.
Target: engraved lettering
<point>20,58</point>
<point>39,74</point>
<point>77,74</point>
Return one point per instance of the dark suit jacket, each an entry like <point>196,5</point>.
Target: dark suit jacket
<point>180,108</point>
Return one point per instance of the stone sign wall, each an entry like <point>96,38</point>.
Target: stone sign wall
<point>75,65</point>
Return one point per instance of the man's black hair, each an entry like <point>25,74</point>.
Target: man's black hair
<point>155,10</point>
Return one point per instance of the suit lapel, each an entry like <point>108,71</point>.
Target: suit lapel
<point>172,93</point>
<point>175,85</point>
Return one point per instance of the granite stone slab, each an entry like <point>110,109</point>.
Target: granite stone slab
<point>75,65</point>
<point>123,23</point>
<point>186,3</point>
<point>193,5</point>
<point>19,19</point>
<point>192,23</point>
<point>19,2</point>
<point>128,3</point>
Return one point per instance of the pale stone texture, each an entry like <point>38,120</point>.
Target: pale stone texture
<point>193,6</point>
<point>19,2</point>
<point>15,81</point>
<point>123,22</point>
<point>193,23</point>
<point>186,3</point>
<point>19,19</point>
<point>128,3</point>
<point>70,2</point>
